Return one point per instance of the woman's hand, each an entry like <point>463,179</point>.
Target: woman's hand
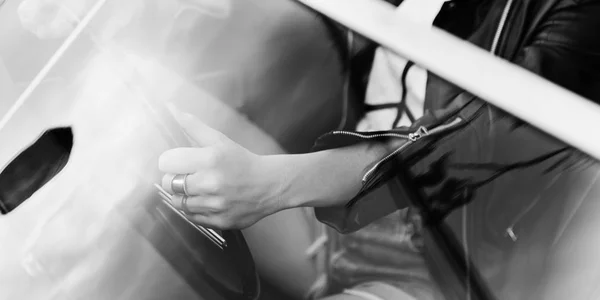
<point>228,186</point>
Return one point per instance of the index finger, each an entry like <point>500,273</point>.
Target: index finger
<point>183,160</point>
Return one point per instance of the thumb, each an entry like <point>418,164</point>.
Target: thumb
<point>200,133</point>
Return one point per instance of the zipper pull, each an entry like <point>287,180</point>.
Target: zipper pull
<point>510,233</point>
<point>412,137</point>
<point>422,131</point>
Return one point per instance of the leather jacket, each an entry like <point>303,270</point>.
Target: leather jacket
<point>521,185</point>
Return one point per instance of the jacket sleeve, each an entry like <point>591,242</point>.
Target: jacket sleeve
<point>455,154</point>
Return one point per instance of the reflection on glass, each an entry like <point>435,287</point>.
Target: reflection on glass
<point>109,69</point>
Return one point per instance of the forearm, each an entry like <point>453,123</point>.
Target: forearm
<point>324,178</point>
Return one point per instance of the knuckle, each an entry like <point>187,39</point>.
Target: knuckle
<point>213,184</point>
<point>218,204</point>
<point>213,156</point>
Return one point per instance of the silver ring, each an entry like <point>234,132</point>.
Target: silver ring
<point>184,207</point>
<point>178,184</point>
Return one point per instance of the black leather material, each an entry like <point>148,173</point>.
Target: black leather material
<point>556,39</point>
<point>511,175</point>
<point>34,167</point>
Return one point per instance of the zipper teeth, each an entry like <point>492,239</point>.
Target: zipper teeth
<point>524,212</point>
<point>501,26</point>
<point>406,136</point>
<point>433,131</point>
<point>370,136</point>
<point>445,126</point>
<point>372,169</point>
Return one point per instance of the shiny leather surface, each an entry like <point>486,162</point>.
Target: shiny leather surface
<point>555,39</point>
<point>510,175</point>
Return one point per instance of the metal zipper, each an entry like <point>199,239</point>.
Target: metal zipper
<point>494,51</point>
<point>369,136</point>
<point>509,231</point>
<point>411,138</point>
<point>372,169</point>
<point>500,29</point>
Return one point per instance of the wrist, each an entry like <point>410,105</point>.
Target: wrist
<point>279,181</point>
<point>293,179</point>
<point>321,179</point>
